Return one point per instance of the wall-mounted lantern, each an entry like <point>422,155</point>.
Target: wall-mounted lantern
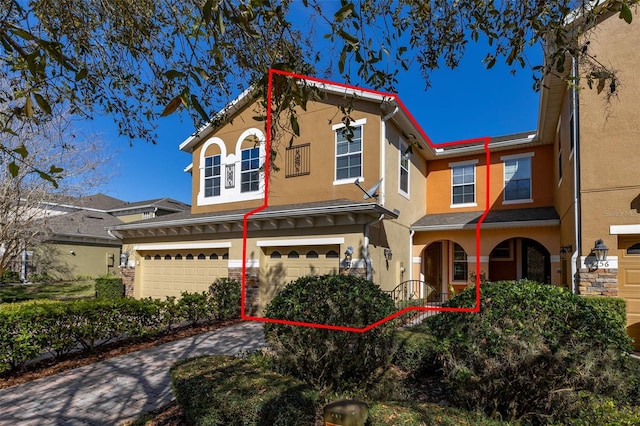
<point>564,250</point>
<point>601,251</point>
<point>388,254</point>
<point>348,255</point>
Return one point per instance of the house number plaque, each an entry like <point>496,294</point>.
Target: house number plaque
<point>229,181</point>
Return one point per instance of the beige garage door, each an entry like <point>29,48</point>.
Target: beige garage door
<point>285,264</point>
<point>629,283</point>
<point>167,273</point>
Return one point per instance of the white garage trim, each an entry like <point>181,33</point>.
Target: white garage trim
<point>624,229</point>
<point>251,263</point>
<point>182,246</point>
<point>301,242</point>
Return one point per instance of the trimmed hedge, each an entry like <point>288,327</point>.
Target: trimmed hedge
<point>224,390</point>
<point>31,329</point>
<point>326,357</point>
<point>109,288</point>
<point>530,350</point>
<point>226,298</point>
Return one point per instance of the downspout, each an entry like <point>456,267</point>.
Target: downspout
<point>367,259</point>
<point>575,257</point>
<point>383,154</point>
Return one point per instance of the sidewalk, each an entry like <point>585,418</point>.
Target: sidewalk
<point>118,389</point>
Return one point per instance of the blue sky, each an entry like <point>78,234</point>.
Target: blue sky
<point>467,102</point>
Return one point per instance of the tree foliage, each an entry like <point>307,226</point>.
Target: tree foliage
<point>138,60</point>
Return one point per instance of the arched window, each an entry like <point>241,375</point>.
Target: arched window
<point>293,255</point>
<point>312,255</point>
<point>213,256</point>
<point>167,257</point>
<point>275,255</point>
<point>634,249</point>
<point>178,257</point>
<point>332,254</point>
<point>201,256</point>
<point>459,263</point>
<point>157,257</point>
<point>225,256</point>
<point>189,256</point>
<point>147,257</point>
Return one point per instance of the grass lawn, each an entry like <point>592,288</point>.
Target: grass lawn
<point>55,291</point>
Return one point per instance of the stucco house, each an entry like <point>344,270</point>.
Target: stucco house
<point>75,242</point>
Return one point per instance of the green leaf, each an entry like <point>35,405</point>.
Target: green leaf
<point>82,74</point>
<point>28,106</point>
<point>206,11</point>
<point>42,103</point>
<point>198,108</point>
<point>351,39</point>
<point>341,61</point>
<point>22,151</point>
<point>295,127</point>
<point>13,169</point>
<point>48,178</point>
<point>625,13</point>
<point>174,74</point>
<point>343,12</point>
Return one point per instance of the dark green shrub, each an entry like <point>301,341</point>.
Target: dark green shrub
<point>323,356</point>
<point>224,390</point>
<point>9,277</point>
<point>195,307</point>
<point>529,350</point>
<point>109,288</point>
<point>225,296</point>
<point>416,350</point>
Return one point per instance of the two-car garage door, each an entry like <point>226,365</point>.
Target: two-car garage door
<point>169,273</point>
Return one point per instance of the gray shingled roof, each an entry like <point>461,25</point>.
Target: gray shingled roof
<point>82,223</point>
<point>98,201</point>
<point>495,218</point>
<point>340,204</point>
<point>163,203</point>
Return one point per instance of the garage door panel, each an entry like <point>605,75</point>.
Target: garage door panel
<point>168,276</point>
<point>629,284</point>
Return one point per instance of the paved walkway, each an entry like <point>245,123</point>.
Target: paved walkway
<point>118,389</point>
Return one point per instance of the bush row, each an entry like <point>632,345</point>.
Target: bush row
<point>32,329</point>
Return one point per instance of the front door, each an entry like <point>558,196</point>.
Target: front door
<point>433,266</point>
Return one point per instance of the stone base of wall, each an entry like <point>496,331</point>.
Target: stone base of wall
<point>359,272</point>
<point>252,290</point>
<point>128,276</point>
<point>599,282</point>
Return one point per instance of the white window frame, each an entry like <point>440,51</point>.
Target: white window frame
<point>458,164</point>
<point>356,123</point>
<point>251,170</point>
<point>516,157</point>
<point>454,261</point>
<point>213,175</point>
<point>404,158</point>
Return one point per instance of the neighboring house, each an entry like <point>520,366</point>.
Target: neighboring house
<point>75,241</point>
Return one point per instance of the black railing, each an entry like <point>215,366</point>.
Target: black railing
<point>417,293</point>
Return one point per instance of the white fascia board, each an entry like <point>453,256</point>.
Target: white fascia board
<point>349,91</point>
<point>237,263</point>
<point>300,242</point>
<point>204,131</point>
<point>183,246</point>
<point>189,168</point>
<point>480,147</point>
<point>624,229</point>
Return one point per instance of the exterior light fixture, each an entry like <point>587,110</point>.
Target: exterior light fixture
<point>601,251</point>
<point>348,255</point>
<point>564,250</point>
<point>388,254</point>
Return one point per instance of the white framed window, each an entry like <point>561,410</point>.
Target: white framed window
<point>517,178</point>
<point>463,183</point>
<point>348,165</point>
<point>212,176</point>
<point>459,265</point>
<point>250,170</point>
<point>403,169</point>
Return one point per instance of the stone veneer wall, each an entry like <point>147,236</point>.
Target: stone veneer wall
<point>599,282</point>
<point>128,275</point>
<point>252,290</point>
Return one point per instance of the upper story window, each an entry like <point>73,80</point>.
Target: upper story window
<point>349,151</point>
<point>517,178</point>
<point>403,172</point>
<point>463,183</point>
<point>250,170</point>
<point>147,215</point>
<point>212,176</point>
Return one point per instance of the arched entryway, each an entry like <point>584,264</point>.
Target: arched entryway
<point>445,266</point>
<point>520,258</point>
